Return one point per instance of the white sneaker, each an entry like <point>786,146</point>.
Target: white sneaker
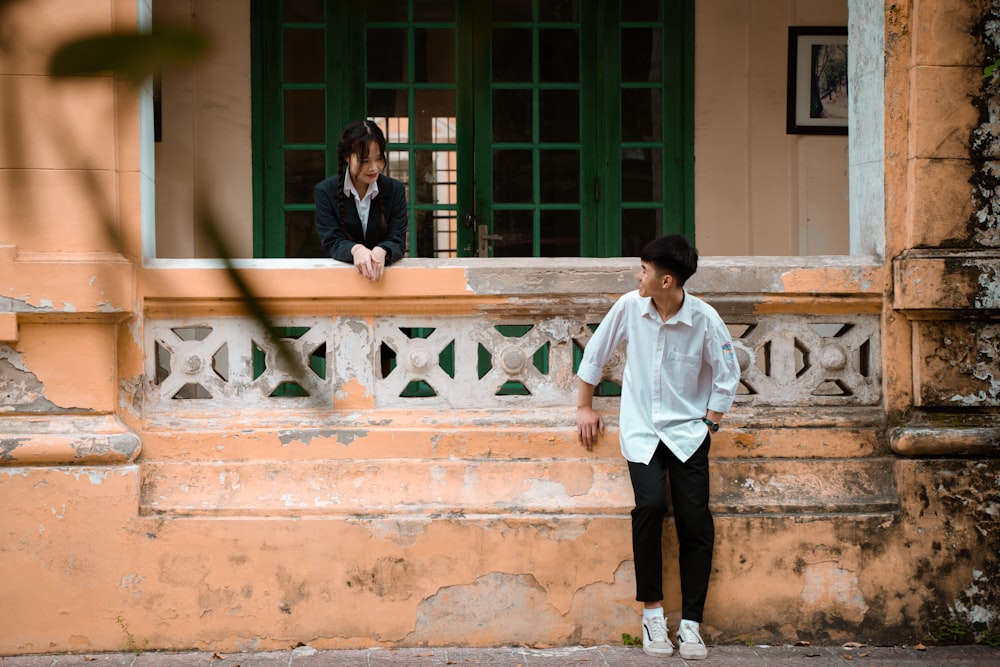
<point>689,640</point>
<point>654,637</point>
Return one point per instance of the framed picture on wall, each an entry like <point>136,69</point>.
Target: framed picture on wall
<point>817,80</point>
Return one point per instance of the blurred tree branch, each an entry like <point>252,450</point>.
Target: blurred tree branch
<point>135,57</point>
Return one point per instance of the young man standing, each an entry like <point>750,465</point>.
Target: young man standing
<point>681,376</point>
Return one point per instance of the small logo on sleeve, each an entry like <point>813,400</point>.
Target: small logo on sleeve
<point>727,349</point>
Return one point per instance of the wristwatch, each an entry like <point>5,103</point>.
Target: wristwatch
<point>712,426</point>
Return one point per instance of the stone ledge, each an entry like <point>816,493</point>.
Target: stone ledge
<point>555,487</point>
<point>55,441</point>
<point>72,285</point>
<point>938,282</point>
<point>501,434</point>
<point>924,440</point>
<point>174,282</point>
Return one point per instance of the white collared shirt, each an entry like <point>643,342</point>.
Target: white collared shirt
<point>675,371</point>
<point>364,204</point>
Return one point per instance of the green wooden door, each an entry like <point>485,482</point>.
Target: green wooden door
<point>521,127</point>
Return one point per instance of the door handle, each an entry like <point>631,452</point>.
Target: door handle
<point>484,238</point>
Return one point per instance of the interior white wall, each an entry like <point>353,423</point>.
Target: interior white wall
<point>759,190</point>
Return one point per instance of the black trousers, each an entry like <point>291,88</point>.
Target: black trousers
<point>692,518</point>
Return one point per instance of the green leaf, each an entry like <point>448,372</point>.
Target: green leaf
<point>989,70</point>
<point>133,56</point>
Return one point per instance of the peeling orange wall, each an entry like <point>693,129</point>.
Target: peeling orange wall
<point>74,362</point>
<point>252,529</point>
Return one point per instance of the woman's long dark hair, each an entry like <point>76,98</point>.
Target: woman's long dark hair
<point>355,140</point>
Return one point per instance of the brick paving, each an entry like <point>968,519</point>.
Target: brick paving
<point>597,656</point>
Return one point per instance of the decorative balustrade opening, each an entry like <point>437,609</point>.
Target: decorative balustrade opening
<point>481,361</point>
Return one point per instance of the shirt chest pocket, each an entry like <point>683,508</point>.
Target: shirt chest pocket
<point>682,370</point>
<point>690,360</point>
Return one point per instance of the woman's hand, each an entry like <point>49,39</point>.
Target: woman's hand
<point>369,263</point>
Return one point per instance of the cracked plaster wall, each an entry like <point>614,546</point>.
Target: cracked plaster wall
<point>71,366</point>
<point>84,549</point>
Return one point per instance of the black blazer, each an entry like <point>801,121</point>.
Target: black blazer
<point>339,236</point>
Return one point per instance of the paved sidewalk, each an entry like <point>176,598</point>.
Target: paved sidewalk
<point>598,656</point>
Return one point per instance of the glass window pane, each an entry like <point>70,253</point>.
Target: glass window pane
<point>445,234</point>
<point>517,229</point>
<point>398,167</point>
<point>512,177</point>
<point>639,227</point>
<point>511,115</point>
<point>436,173</point>
<point>642,114</point>
<point>436,233</point>
<point>642,54</point>
<point>423,237</point>
<point>435,55</point>
<point>302,11</point>
<point>559,10</point>
<point>559,234</point>
<point>305,117</point>
<point>558,55</point>
<point>436,11</point>
<point>512,55</point>
<point>301,239</point>
<point>560,176</point>
<point>445,177</point>
<point>388,103</point>
<point>512,10</point>
<point>395,128</point>
<point>642,174</point>
<point>444,130</point>
<point>386,10</point>
<point>641,10</point>
<point>559,116</point>
<point>387,48</point>
<point>435,116</point>
<point>303,170</point>
<point>303,55</point>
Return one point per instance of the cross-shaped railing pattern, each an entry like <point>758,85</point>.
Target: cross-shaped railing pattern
<point>479,361</point>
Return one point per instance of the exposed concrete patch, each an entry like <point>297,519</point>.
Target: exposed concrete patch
<point>983,365</point>
<point>490,610</point>
<point>351,357</point>
<point>130,395</point>
<point>401,532</point>
<point>560,328</point>
<point>957,578</point>
<point>305,436</point>
<point>591,604</point>
<point>20,305</point>
<point>833,591</point>
<point>969,606</point>
<point>7,447</point>
<point>984,147</point>
<point>20,389</point>
<point>989,280</point>
<point>132,583</point>
<point>959,363</point>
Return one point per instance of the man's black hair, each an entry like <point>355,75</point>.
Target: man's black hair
<point>672,254</point>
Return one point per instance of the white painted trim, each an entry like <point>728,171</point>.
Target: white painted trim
<point>866,120</point>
